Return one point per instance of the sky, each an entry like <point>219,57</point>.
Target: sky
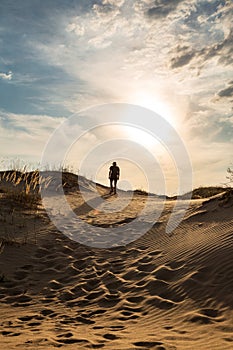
<point>64,58</point>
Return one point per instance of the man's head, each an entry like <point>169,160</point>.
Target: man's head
<point>114,163</point>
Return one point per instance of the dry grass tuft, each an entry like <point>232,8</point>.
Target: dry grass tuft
<point>21,187</point>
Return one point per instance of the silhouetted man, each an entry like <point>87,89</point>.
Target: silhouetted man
<point>114,174</point>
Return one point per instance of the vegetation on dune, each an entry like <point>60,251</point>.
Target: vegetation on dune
<point>206,192</point>
<point>21,187</point>
<point>141,192</point>
<point>230,175</point>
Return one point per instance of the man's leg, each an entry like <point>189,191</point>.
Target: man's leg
<point>115,183</point>
<point>111,188</point>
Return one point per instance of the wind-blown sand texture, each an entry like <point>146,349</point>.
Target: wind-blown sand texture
<point>160,292</point>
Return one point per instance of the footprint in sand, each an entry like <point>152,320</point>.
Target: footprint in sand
<point>110,336</point>
<point>149,345</point>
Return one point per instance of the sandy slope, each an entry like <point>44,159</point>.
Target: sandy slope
<point>160,292</point>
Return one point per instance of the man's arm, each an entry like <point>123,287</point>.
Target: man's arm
<point>118,173</point>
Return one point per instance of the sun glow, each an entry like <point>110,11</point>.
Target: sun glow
<point>155,104</point>
<point>141,137</point>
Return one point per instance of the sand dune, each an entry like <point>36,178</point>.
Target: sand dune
<point>162,291</point>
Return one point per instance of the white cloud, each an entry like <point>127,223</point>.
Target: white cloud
<point>118,3</point>
<point>76,28</point>
<point>25,136</point>
<point>6,76</point>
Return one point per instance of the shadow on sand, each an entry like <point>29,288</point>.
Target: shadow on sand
<point>93,203</point>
